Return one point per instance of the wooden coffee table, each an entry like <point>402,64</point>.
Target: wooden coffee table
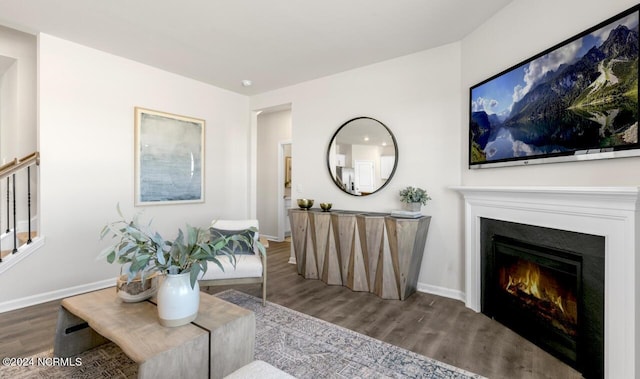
<point>219,341</point>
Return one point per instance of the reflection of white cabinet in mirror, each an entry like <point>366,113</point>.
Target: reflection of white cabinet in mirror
<point>340,160</point>
<point>386,166</point>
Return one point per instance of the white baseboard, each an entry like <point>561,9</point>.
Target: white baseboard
<point>271,238</point>
<point>55,295</point>
<point>441,291</point>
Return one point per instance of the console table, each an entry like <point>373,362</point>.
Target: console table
<point>219,341</point>
<point>363,251</point>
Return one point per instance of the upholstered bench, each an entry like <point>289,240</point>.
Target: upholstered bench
<point>258,369</point>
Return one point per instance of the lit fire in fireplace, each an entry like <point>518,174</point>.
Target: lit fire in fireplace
<point>537,290</point>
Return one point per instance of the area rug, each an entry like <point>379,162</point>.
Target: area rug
<point>301,345</point>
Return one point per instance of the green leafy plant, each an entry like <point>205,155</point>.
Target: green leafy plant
<point>414,195</point>
<point>142,251</point>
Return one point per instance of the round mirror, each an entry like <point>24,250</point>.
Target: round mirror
<point>362,156</point>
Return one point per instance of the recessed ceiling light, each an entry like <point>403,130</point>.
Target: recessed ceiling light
<point>366,138</point>
<point>247,83</point>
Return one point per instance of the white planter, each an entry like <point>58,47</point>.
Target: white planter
<point>413,207</point>
<point>177,301</point>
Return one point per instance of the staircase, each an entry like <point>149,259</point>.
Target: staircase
<point>23,238</point>
<point>16,180</point>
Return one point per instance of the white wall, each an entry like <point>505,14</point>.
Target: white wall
<point>18,124</point>
<point>273,128</point>
<point>518,32</point>
<point>17,119</point>
<point>87,101</point>
<point>418,98</point>
<point>9,109</point>
<point>86,137</point>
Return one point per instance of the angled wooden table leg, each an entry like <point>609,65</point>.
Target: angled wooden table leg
<point>233,334</point>
<point>73,335</point>
<point>190,360</point>
<point>160,352</point>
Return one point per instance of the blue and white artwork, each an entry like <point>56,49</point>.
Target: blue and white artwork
<point>169,157</point>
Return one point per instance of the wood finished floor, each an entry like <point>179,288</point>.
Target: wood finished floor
<point>430,325</point>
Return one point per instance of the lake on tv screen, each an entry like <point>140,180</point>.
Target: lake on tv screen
<point>561,103</point>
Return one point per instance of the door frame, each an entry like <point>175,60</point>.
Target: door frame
<point>252,172</point>
<point>280,200</point>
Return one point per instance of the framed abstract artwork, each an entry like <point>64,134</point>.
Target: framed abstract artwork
<point>169,158</point>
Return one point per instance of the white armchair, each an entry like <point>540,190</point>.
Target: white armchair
<point>251,264</point>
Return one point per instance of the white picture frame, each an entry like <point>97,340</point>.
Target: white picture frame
<point>169,158</point>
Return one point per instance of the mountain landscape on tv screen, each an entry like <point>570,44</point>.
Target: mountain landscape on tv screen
<point>589,104</point>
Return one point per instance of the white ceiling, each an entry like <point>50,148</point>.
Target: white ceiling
<point>274,43</point>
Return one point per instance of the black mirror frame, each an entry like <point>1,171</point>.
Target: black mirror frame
<point>395,163</point>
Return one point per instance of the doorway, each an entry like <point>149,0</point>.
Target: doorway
<point>273,137</point>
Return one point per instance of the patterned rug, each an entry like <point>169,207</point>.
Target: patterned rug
<point>301,345</point>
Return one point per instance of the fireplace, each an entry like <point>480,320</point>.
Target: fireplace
<point>608,213</point>
<point>535,292</point>
<point>548,286</point>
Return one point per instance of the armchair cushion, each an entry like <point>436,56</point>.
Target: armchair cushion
<point>247,266</point>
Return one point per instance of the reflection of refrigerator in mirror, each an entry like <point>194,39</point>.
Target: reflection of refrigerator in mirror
<point>345,176</point>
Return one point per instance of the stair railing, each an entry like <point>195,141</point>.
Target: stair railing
<point>9,171</point>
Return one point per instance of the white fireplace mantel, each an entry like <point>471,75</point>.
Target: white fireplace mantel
<point>611,212</point>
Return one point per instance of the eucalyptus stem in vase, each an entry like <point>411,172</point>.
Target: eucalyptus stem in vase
<point>143,252</point>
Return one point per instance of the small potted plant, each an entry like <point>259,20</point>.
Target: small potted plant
<point>143,253</point>
<point>414,198</point>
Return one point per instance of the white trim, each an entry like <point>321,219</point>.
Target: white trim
<point>611,212</point>
<point>252,172</point>
<point>280,192</point>
<point>55,295</point>
<point>23,252</point>
<point>441,291</point>
<point>272,238</point>
<point>292,254</point>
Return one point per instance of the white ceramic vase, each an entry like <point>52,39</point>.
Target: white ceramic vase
<point>177,301</point>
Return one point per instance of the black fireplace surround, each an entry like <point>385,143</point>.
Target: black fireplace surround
<point>576,260</point>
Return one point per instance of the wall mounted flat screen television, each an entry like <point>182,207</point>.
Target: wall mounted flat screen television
<point>575,101</point>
